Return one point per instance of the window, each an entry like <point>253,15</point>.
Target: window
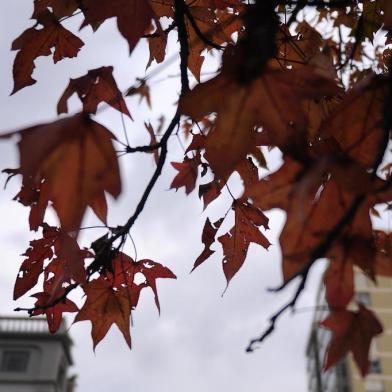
<point>374,386</point>
<point>363,298</point>
<point>15,361</point>
<point>375,366</point>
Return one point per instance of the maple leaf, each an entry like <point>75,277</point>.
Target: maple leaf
<point>95,87</point>
<point>60,8</point>
<point>210,191</point>
<point>352,331</point>
<point>274,101</point>
<point>152,271</point>
<point>35,42</point>
<point>339,283</point>
<point>111,298</point>
<point>153,139</point>
<point>187,173</point>
<point>104,307</point>
<point>208,238</point>
<point>137,11</point>
<point>236,242</point>
<point>216,27</point>
<point>32,267</point>
<point>356,124</point>
<point>308,199</point>
<point>53,313</point>
<point>157,47</point>
<point>143,91</point>
<point>65,264</point>
<point>67,267</point>
<point>125,269</point>
<point>74,159</point>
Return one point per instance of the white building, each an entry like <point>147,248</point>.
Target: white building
<point>32,359</point>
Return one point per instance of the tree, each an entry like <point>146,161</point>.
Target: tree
<point>310,78</point>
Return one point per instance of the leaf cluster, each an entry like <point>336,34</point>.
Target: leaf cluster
<point>310,78</point>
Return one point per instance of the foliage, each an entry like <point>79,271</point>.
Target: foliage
<point>310,78</point>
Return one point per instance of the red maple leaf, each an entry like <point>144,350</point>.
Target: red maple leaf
<point>352,332</point>
<point>36,42</point>
<point>73,162</point>
<point>137,11</point>
<point>53,313</point>
<point>95,87</point>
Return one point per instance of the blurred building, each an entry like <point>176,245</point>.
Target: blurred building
<point>345,377</point>
<point>32,359</point>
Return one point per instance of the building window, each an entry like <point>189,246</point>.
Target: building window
<point>375,366</point>
<point>374,386</point>
<point>15,361</point>
<point>363,298</point>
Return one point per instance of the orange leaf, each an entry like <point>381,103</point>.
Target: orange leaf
<point>74,159</point>
<point>356,123</point>
<point>352,331</point>
<point>38,42</point>
<point>95,87</point>
<point>104,307</point>
<point>60,8</point>
<point>274,101</point>
<point>137,11</point>
<point>187,174</point>
<point>236,242</point>
<point>53,313</point>
<point>208,238</point>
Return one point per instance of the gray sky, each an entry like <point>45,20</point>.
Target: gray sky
<point>198,342</point>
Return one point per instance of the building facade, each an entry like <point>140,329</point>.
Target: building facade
<point>345,377</point>
<point>32,359</point>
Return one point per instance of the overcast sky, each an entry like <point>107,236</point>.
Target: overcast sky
<point>198,343</point>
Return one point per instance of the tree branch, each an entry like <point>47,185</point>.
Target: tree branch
<point>179,19</point>
<point>198,32</point>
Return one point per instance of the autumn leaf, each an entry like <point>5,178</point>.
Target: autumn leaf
<point>235,243</point>
<point>187,173</point>
<point>352,332</point>
<point>104,307</point>
<point>125,269</point>
<point>32,267</point>
<point>57,258</point>
<point>356,123</point>
<point>153,139</point>
<point>339,283</point>
<point>74,159</point>
<point>143,91</point>
<point>67,267</point>
<point>208,238</point>
<point>53,313</point>
<point>60,8</point>
<point>137,11</point>
<point>92,89</point>
<point>308,199</point>
<point>157,47</point>
<point>210,191</point>
<point>35,42</point>
<point>274,101</point>
<point>152,271</point>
